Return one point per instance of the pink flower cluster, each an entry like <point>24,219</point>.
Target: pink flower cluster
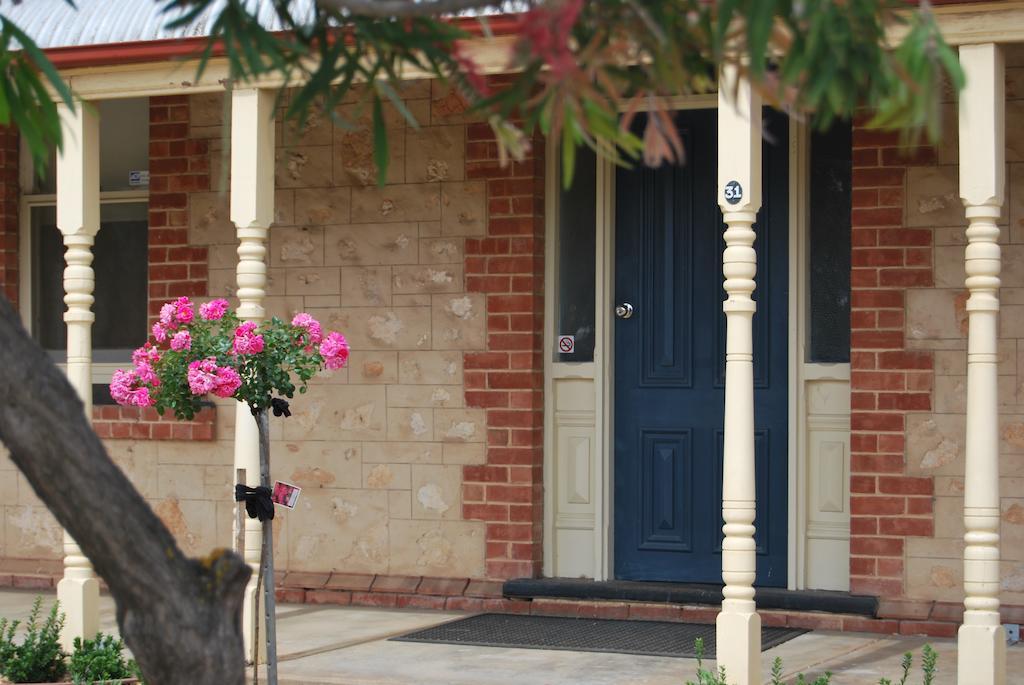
<point>312,327</point>
<point>213,310</point>
<point>132,387</point>
<point>247,340</point>
<point>334,350</point>
<point>182,340</point>
<point>146,353</point>
<point>126,388</point>
<point>172,315</point>
<point>204,376</point>
<point>183,332</point>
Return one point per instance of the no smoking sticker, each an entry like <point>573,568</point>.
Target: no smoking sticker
<point>566,344</point>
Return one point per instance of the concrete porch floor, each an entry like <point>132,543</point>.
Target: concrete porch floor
<point>348,646</point>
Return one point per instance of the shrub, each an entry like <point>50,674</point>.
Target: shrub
<point>39,657</point>
<point>101,659</point>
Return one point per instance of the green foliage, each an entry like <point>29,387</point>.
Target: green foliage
<point>707,677</point>
<point>24,99</point>
<point>38,658</point>
<point>99,660</point>
<point>286,364</point>
<point>573,65</point>
<point>929,659</point>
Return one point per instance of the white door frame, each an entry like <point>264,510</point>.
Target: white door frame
<point>600,372</point>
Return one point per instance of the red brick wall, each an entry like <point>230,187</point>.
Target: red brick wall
<point>9,201</point>
<point>887,379</point>
<point>508,379</point>
<point>137,423</point>
<point>177,165</point>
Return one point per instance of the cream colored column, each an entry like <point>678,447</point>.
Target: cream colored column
<point>981,652</point>
<point>78,218</point>
<point>739,196</point>
<point>252,210</point>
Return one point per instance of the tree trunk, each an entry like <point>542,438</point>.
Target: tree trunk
<point>181,617</point>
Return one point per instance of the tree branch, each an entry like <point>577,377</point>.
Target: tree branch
<point>180,616</point>
<point>406,8</point>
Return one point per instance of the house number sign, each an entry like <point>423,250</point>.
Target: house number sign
<point>733,192</point>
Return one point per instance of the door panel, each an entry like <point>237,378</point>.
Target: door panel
<point>670,363</point>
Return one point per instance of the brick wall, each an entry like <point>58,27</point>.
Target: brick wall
<point>887,379</point>
<point>9,201</point>
<point>909,370</point>
<point>178,165</point>
<point>507,380</point>
<point>138,423</point>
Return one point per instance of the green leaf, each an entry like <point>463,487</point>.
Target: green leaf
<point>396,100</point>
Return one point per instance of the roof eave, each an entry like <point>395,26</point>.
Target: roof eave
<point>136,52</point>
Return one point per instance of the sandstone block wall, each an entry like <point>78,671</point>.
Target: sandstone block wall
<point>909,363</point>
<point>434,278</point>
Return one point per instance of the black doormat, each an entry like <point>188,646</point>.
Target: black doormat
<point>649,638</point>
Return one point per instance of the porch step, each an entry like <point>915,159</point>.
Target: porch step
<point>687,593</point>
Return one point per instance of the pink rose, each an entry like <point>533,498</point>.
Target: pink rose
<point>183,310</point>
<point>141,398</point>
<point>146,374</point>
<point>202,376</point>
<point>334,350</point>
<point>213,310</point>
<point>159,332</point>
<point>126,390</point>
<point>312,326</point>
<point>247,341</point>
<point>167,313</point>
<point>121,385</point>
<point>228,382</point>
<point>146,353</point>
<point>182,340</point>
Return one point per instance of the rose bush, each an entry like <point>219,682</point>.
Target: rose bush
<point>216,353</point>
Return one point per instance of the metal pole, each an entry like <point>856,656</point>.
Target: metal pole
<point>269,598</point>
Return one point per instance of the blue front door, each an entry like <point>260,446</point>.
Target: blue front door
<point>670,363</point>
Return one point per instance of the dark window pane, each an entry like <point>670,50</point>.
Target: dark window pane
<point>577,217</point>
<point>830,185</point>
<point>120,263</point>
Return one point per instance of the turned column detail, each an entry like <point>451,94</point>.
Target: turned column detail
<point>252,211</point>
<point>739,196</point>
<point>981,652</point>
<point>78,219</point>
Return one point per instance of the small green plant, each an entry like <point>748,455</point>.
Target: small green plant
<point>823,679</point>
<point>929,658</point>
<point>38,658</point>
<point>704,676</point>
<point>100,660</point>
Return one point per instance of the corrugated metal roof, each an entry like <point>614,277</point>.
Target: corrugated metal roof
<point>55,24</point>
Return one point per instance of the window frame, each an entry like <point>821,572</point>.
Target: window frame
<point>101,371</point>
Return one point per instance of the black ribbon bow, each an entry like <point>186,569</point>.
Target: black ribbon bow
<point>258,503</point>
<point>280,407</point>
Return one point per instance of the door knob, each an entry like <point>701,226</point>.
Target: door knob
<point>624,310</point>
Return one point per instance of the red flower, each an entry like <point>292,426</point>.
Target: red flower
<point>471,70</point>
<point>546,32</point>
